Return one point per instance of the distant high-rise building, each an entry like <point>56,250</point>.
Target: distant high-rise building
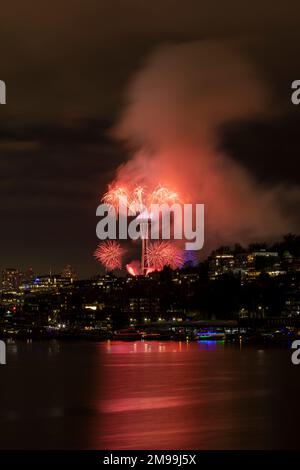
<point>220,263</point>
<point>291,262</point>
<point>11,279</point>
<point>69,272</point>
<point>29,275</point>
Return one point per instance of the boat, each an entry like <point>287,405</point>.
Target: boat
<point>210,336</point>
<point>128,334</point>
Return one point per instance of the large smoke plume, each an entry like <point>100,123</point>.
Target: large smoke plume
<point>176,105</point>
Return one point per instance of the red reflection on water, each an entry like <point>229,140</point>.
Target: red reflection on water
<point>149,393</point>
<point>123,347</point>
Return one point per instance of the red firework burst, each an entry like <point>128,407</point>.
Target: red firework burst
<point>118,197</point>
<point>110,253</point>
<point>138,198</point>
<point>164,253</point>
<point>163,195</point>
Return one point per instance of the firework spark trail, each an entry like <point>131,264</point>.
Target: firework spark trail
<point>138,199</point>
<point>110,253</point>
<point>117,196</point>
<point>164,253</point>
<point>163,195</point>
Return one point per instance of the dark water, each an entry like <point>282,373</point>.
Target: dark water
<point>86,395</point>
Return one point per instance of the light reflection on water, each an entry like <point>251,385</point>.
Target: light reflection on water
<point>149,395</point>
<point>119,347</point>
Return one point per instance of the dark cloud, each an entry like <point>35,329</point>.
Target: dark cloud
<point>268,148</point>
<point>49,192</point>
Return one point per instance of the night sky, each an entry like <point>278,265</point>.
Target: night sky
<point>66,64</point>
